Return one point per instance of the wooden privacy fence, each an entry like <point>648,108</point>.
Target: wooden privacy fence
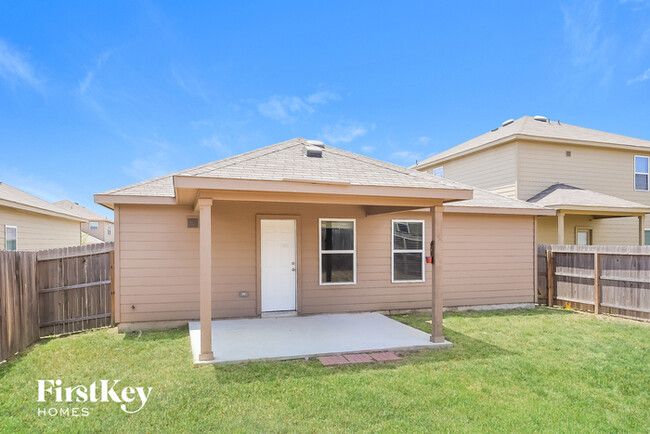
<point>599,279</point>
<point>53,292</point>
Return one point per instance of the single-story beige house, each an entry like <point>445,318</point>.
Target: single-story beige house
<point>305,228</point>
<point>30,223</point>
<point>99,229</point>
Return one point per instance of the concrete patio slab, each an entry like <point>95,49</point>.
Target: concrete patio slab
<point>287,338</point>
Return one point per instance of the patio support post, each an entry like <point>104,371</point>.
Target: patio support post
<point>205,279</point>
<point>560,227</point>
<point>436,279</point>
<point>642,229</point>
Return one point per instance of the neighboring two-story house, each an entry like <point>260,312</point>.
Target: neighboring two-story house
<point>598,182</point>
<point>30,223</point>
<point>98,228</point>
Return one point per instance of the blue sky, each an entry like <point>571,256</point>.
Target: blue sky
<point>98,95</point>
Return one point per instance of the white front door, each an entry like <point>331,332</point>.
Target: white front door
<point>278,265</point>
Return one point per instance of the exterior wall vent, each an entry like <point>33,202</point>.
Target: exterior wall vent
<point>508,122</point>
<point>541,118</point>
<point>313,151</point>
<point>192,222</point>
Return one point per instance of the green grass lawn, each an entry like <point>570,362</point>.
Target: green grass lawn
<point>522,370</point>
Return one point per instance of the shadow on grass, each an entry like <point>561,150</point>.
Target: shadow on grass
<point>465,348</point>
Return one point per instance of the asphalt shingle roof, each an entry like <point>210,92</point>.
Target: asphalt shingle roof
<point>563,195</point>
<point>528,126</point>
<point>286,161</point>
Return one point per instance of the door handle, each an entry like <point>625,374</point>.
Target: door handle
<point>293,269</point>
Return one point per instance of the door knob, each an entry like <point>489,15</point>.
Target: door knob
<point>293,269</point>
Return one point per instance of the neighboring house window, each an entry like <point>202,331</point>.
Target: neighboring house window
<point>108,230</point>
<point>94,225</point>
<point>408,251</point>
<point>647,237</point>
<point>583,237</point>
<point>640,173</point>
<point>439,172</point>
<point>11,237</point>
<point>337,249</point>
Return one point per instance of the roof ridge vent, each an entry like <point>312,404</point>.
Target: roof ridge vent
<point>541,118</point>
<point>508,122</point>
<point>313,151</point>
<point>316,143</point>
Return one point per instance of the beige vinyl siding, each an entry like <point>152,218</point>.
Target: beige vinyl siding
<point>488,261</point>
<point>39,231</point>
<point>608,171</point>
<point>616,231</point>
<point>493,169</point>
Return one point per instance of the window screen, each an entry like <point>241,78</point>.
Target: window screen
<point>408,251</point>
<point>337,251</point>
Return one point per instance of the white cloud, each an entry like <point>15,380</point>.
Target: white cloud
<point>190,84</point>
<point>405,157</point>
<point>368,149</point>
<point>216,143</point>
<point>148,167</point>
<point>201,123</point>
<point>344,132</point>
<point>424,140</point>
<point>287,108</point>
<point>643,77</point>
<point>34,185</point>
<point>14,68</point>
<point>84,85</point>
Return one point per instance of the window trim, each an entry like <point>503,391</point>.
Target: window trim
<point>442,168</point>
<point>393,251</point>
<point>16,229</point>
<point>647,174</point>
<point>320,251</point>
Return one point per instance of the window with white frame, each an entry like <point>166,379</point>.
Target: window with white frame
<point>408,251</point>
<point>439,172</point>
<point>11,237</point>
<point>337,251</point>
<point>640,173</point>
<point>94,225</point>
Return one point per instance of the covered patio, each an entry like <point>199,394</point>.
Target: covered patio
<point>285,338</point>
<point>579,212</point>
<point>310,177</point>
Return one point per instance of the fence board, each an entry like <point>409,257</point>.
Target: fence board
<point>74,288</point>
<point>621,287</point>
<point>18,302</point>
<point>53,292</point>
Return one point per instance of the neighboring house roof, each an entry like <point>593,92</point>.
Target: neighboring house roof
<point>14,198</point>
<point>286,162</point>
<point>85,213</point>
<point>528,128</point>
<point>563,196</point>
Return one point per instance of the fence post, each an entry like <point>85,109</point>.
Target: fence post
<point>549,279</point>
<point>112,256</point>
<point>596,283</point>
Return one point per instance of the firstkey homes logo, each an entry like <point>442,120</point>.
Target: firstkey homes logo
<point>131,399</point>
